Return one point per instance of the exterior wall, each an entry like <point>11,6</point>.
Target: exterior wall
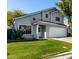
<point>47,30</point>
<point>34,31</point>
<point>28,20</point>
<point>44,14</point>
<point>52,16</point>
<point>28,36</point>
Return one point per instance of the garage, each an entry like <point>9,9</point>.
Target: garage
<point>57,32</point>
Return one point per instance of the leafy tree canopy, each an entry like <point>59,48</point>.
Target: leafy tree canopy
<point>66,8</point>
<point>12,14</point>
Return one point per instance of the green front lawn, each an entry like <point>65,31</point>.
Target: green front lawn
<point>36,49</point>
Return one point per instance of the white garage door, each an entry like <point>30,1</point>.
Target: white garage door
<point>57,32</point>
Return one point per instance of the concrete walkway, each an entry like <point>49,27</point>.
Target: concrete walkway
<point>65,55</point>
<point>66,39</point>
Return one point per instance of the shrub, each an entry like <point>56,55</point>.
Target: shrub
<point>18,34</point>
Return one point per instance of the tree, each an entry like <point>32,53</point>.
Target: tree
<point>12,14</point>
<point>18,13</point>
<point>66,8</point>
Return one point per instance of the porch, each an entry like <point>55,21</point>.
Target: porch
<point>41,31</point>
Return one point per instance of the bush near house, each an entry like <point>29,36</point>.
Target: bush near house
<point>14,34</point>
<point>18,34</point>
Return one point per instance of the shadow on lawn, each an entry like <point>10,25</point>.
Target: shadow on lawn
<point>23,40</point>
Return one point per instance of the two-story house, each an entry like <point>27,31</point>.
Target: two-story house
<point>46,23</point>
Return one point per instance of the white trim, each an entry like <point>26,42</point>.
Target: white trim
<point>37,33</point>
<point>45,35</point>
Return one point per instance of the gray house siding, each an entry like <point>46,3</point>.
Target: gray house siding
<point>39,16</point>
<point>54,15</point>
<point>51,16</point>
<point>44,16</point>
<point>34,31</point>
<point>28,20</point>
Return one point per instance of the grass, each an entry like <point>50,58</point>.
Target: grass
<point>35,49</point>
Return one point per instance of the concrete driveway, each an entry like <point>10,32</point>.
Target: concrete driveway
<point>66,39</point>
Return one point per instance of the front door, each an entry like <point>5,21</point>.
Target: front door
<point>40,31</point>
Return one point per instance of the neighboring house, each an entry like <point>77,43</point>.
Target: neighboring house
<point>9,27</point>
<point>69,30</point>
<point>69,27</point>
<point>46,23</point>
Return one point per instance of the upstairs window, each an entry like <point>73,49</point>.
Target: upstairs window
<point>57,19</point>
<point>46,15</point>
<point>26,29</point>
<point>34,18</point>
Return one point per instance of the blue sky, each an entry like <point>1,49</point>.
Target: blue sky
<point>29,6</point>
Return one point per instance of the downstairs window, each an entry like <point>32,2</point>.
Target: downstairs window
<point>26,29</point>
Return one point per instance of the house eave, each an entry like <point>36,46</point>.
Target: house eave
<point>49,23</point>
<point>35,13</point>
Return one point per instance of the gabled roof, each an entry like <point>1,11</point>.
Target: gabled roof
<point>53,9</point>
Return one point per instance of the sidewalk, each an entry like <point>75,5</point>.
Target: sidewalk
<point>66,39</point>
<point>65,55</point>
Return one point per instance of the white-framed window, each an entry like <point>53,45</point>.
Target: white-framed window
<point>46,15</point>
<point>57,19</point>
<point>26,29</point>
<point>34,19</point>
